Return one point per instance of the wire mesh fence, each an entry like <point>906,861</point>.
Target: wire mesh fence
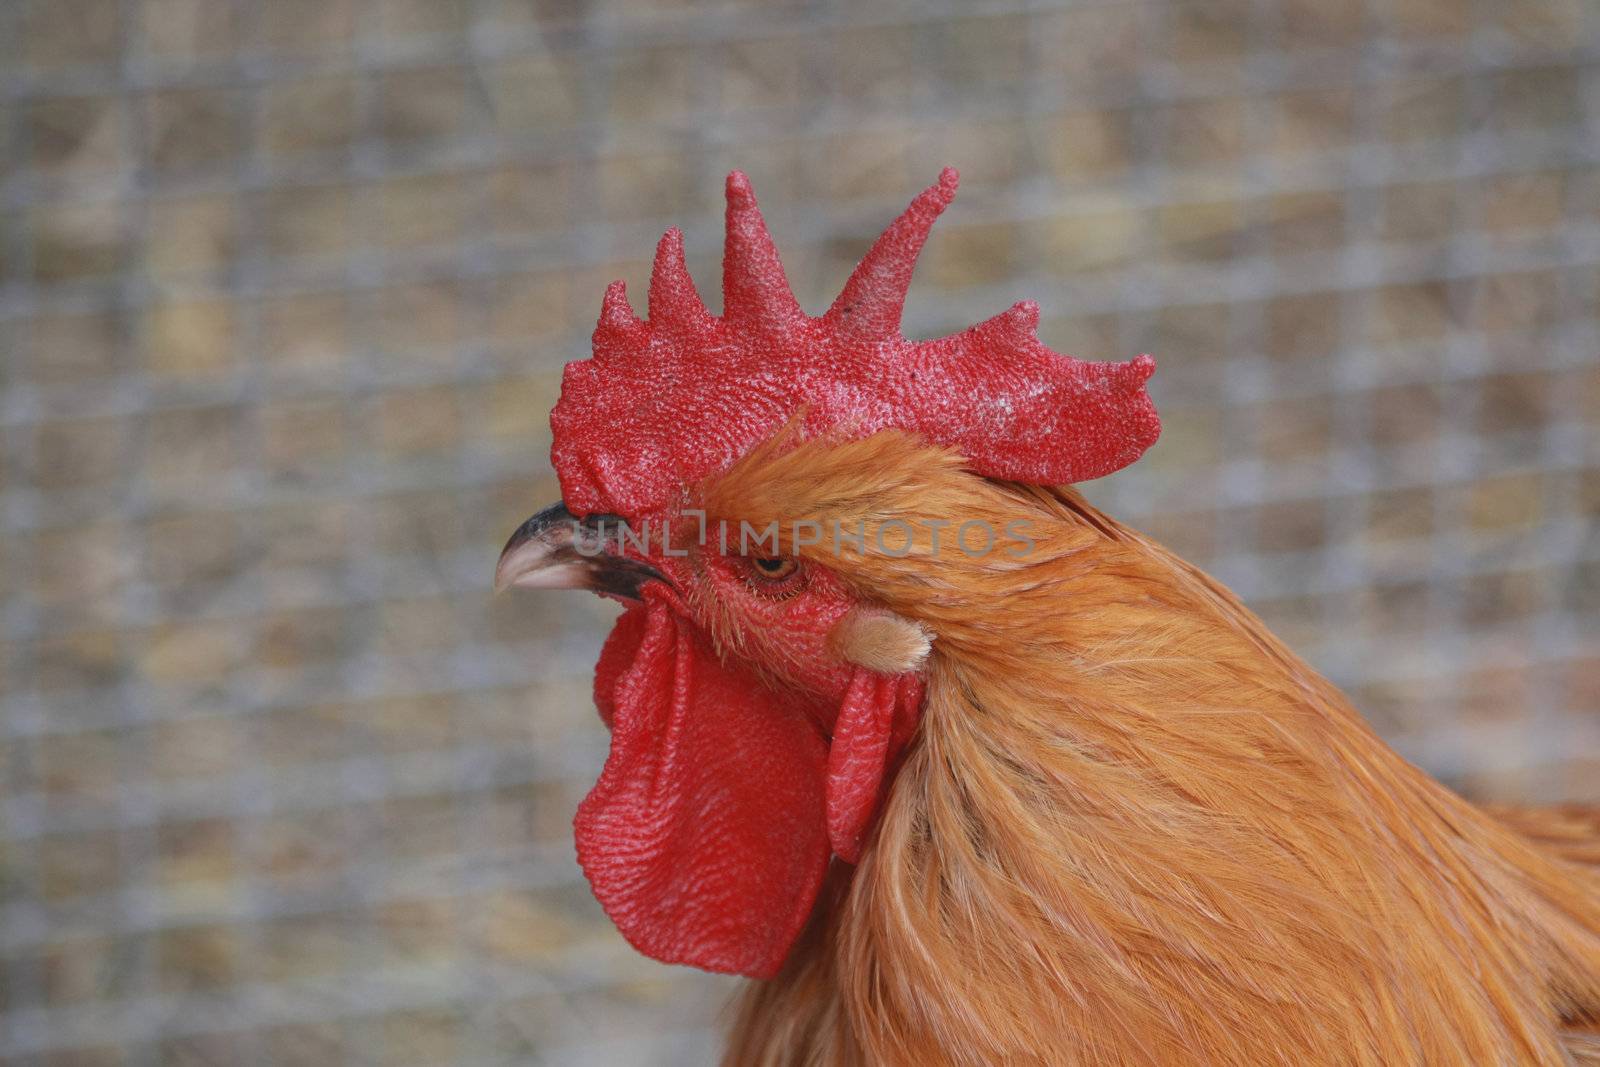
<point>285,290</point>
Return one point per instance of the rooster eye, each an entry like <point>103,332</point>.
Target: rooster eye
<point>774,568</point>
<point>774,576</point>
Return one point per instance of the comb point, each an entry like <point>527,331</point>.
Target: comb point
<point>630,431</point>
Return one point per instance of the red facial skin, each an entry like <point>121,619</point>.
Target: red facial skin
<point>779,625</point>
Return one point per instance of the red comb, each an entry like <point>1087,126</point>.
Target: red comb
<point>667,401</point>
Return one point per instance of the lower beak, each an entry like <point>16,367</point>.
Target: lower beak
<point>557,550</point>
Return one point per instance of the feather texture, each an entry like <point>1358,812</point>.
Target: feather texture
<point>1136,829</point>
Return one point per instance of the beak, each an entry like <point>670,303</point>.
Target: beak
<point>557,550</point>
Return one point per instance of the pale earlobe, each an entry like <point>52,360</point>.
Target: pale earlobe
<point>881,641</point>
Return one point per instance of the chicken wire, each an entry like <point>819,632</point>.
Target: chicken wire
<point>284,293</point>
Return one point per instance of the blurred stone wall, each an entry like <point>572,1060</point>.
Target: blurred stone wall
<point>285,289</point>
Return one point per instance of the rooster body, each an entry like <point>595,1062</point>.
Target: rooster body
<point>1065,802</point>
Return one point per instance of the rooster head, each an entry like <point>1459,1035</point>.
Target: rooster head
<point>759,689</point>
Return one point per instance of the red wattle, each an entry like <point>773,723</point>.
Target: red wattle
<point>857,759</point>
<point>875,723</point>
<point>616,656</point>
<point>704,838</point>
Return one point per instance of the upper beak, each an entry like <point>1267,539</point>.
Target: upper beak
<point>557,550</point>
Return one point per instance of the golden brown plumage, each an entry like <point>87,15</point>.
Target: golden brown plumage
<point>1136,829</point>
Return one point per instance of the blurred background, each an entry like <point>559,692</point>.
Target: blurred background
<point>285,290</point>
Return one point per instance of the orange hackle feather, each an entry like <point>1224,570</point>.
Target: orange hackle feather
<point>1136,829</point>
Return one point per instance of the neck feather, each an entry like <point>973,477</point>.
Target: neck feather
<point>1136,830</point>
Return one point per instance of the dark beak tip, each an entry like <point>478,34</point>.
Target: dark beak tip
<point>543,554</point>
<point>538,551</point>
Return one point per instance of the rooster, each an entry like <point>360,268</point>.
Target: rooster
<point>962,770</point>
